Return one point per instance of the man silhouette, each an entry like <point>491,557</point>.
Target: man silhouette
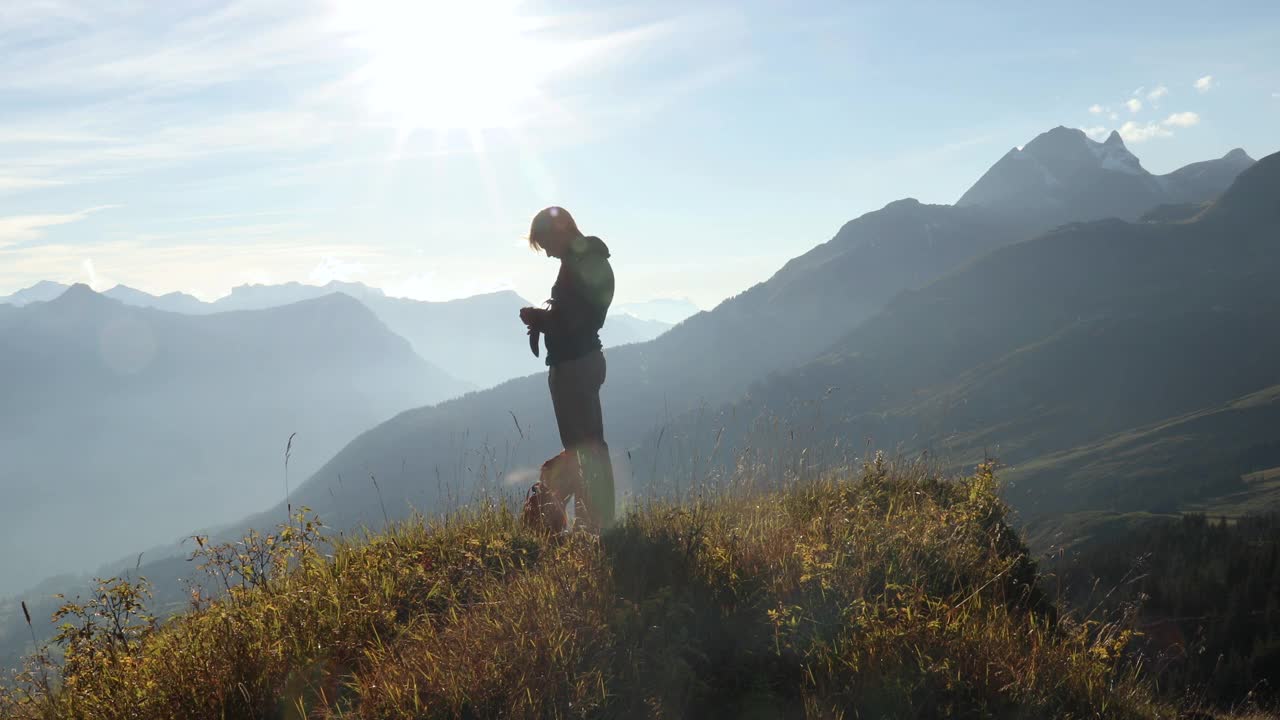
<point>570,326</point>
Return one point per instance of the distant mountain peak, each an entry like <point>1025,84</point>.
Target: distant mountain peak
<point>354,286</point>
<point>1063,175</point>
<point>1055,169</point>
<point>903,204</point>
<point>1238,155</point>
<point>81,295</point>
<point>1059,140</point>
<point>1254,191</point>
<point>1061,131</point>
<point>1115,156</point>
<point>1065,149</point>
<point>257,296</point>
<point>122,291</point>
<point>42,291</point>
<point>337,299</point>
<point>1202,181</point>
<point>79,290</point>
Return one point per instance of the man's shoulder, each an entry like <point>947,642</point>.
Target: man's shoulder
<point>591,267</point>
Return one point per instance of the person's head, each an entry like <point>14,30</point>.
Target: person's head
<point>552,230</point>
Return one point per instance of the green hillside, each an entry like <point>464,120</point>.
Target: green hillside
<point>890,594</point>
<point>1057,351</point>
<point>1215,460</point>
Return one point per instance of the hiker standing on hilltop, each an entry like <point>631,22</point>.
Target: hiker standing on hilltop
<point>571,326</point>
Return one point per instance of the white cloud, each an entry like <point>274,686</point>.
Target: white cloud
<point>21,135</point>
<point>1097,132</point>
<point>1139,132</point>
<point>115,46</point>
<point>419,286</point>
<point>1134,104</point>
<point>15,229</point>
<point>330,269</point>
<point>140,87</point>
<point>1114,116</point>
<point>1097,109</point>
<point>1156,93</point>
<point>1205,84</point>
<point>239,133</point>
<point>18,182</point>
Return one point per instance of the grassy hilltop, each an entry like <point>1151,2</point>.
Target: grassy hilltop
<point>884,592</point>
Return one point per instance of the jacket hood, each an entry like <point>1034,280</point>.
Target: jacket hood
<point>590,245</point>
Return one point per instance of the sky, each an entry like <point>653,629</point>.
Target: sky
<point>195,146</point>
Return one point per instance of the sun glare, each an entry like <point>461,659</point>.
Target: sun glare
<point>467,65</point>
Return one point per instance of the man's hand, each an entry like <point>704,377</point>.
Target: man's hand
<point>533,317</point>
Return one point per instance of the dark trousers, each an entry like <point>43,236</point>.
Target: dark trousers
<point>575,395</point>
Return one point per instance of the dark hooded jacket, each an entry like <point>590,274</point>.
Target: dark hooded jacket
<point>580,301</point>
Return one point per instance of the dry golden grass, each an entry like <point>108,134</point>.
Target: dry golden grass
<point>878,593</point>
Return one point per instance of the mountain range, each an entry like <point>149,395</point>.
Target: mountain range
<point>477,339</point>
<point>1064,176</point>
<point>814,302</point>
<point>1113,364</point>
<point>955,328</point>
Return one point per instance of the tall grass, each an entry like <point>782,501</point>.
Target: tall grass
<point>878,592</point>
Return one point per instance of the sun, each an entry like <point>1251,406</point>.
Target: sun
<point>468,65</point>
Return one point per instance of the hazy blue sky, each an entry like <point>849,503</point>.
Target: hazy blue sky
<point>199,145</point>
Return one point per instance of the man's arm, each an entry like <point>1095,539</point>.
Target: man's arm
<point>585,299</point>
<point>563,318</point>
<point>567,315</point>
